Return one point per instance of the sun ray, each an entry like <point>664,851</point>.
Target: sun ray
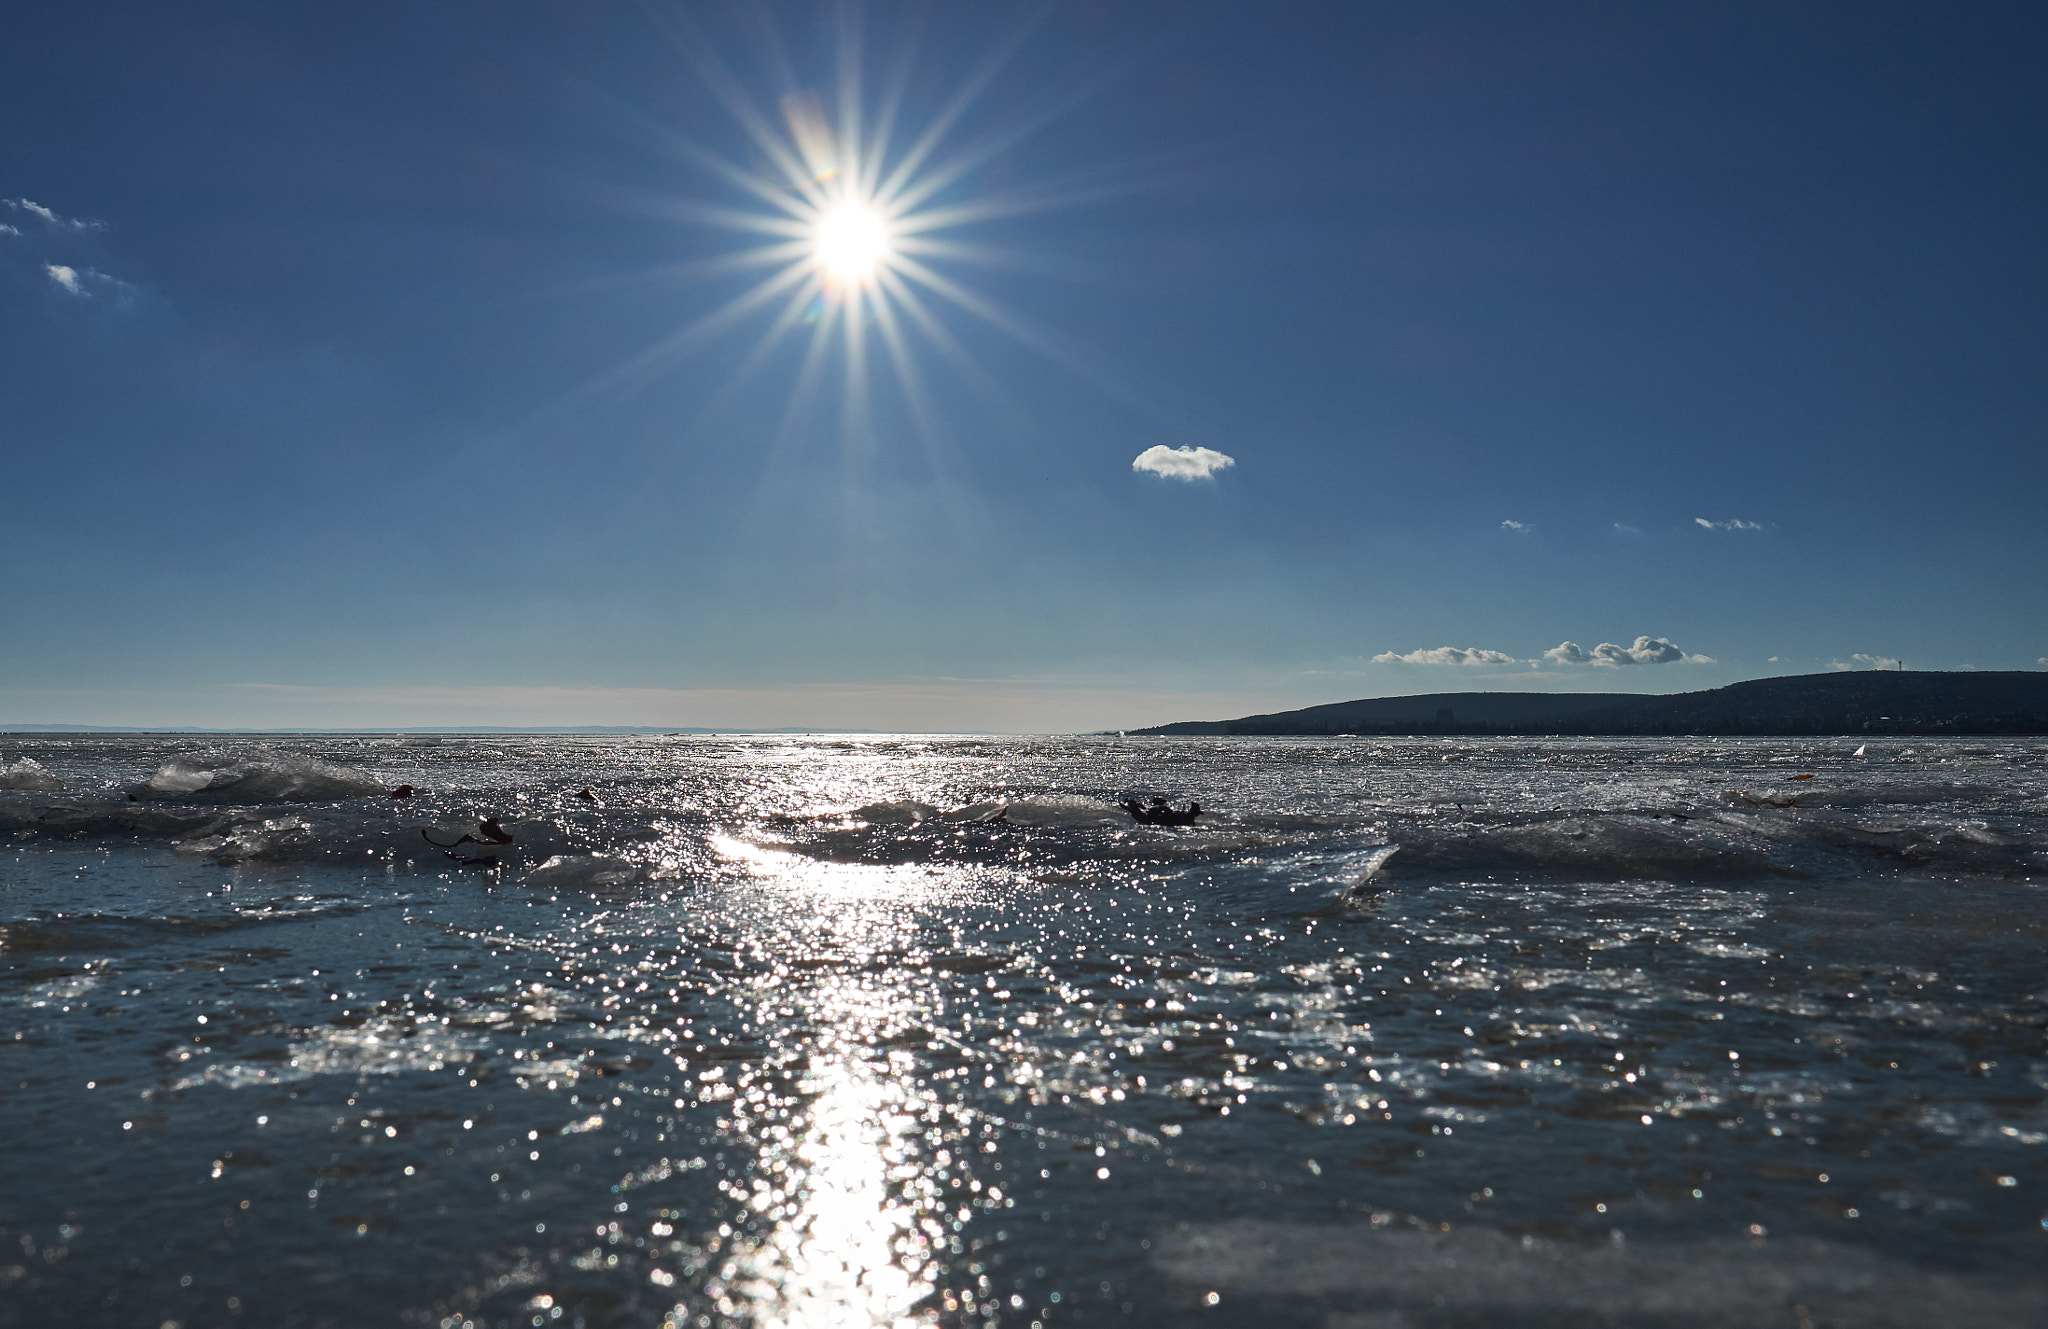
<point>1022,332</point>
<point>696,334</point>
<point>737,104</point>
<point>793,313</point>
<point>791,316</point>
<point>910,381</point>
<point>789,203</point>
<point>691,270</point>
<point>849,33</point>
<point>986,310</point>
<point>1079,190</point>
<point>884,120</point>
<point>942,339</point>
<point>945,174</point>
<point>740,306</point>
<point>972,251</point>
<point>792,226</point>
<point>854,383</point>
<point>970,91</point>
<point>809,380</point>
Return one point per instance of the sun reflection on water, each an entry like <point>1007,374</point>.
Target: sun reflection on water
<point>823,883</point>
<point>848,1186</point>
<point>851,1244</point>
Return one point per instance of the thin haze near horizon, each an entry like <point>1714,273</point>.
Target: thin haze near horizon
<point>1021,368</point>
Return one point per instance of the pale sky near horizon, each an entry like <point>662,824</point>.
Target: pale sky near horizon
<point>397,365</point>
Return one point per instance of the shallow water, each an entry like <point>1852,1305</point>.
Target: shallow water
<point>822,1032</point>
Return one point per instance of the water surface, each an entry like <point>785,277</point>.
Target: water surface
<point>875,1032</point>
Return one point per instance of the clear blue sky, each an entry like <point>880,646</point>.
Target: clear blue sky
<point>354,366</point>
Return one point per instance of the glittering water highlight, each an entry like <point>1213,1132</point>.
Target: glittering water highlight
<point>903,1032</point>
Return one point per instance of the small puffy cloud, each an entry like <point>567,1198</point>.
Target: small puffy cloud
<point>1181,463</point>
<point>1647,650</point>
<point>1446,655</point>
<point>5,229</point>
<point>1512,525</point>
<point>1876,661</point>
<point>51,218</point>
<point>1623,528</point>
<point>1732,524</point>
<point>64,277</point>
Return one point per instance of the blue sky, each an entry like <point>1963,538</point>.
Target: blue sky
<point>347,372</point>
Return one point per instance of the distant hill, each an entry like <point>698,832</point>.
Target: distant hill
<point>1868,702</point>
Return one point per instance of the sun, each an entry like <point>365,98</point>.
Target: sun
<point>850,242</point>
<point>861,219</point>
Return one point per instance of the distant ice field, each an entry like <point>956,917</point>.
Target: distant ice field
<point>903,1031</point>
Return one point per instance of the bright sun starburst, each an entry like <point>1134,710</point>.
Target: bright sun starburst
<point>853,212</point>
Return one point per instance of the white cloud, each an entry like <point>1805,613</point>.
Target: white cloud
<point>5,229</point>
<point>2042,661</point>
<point>1732,524</point>
<point>1181,463</point>
<point>1876,661</point>
<point>1623,528</point>
<point>1773,659</point>
<point>1512,525</point>
<point>1647,650</point>
<point>1446,655</point>
<point>84,282</point>
<point>52,218</point>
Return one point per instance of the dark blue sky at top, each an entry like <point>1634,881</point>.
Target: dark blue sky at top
<point>338,402</point>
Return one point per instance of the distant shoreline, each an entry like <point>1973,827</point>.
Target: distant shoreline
<point>1874,703</point>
